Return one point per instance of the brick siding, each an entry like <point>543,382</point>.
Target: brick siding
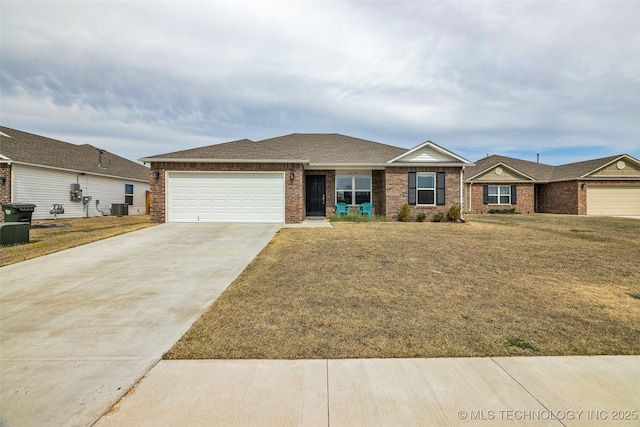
<point>562,198</point>
<point>525,198</point>
<point>397,187</point>
<point>378,188</point>
<point>5,190</point>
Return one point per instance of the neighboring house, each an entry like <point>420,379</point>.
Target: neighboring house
<point>43,171</point>
<point>607,186</point>
<point>289,178</point>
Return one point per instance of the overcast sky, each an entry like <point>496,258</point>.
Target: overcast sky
<point>561,79</point>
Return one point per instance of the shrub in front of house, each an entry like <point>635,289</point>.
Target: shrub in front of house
<point>405,213</point>
<point>421,216</point>
<point>454,213</point>
<point>438,217</point>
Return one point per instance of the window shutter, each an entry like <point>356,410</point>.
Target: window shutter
<point>514,197</point>
<point>485,194</point>
<point>440,188</point>
<point>411,195</point>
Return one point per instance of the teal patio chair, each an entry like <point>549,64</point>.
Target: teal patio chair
<point>342,209</point>
<point>365,209</point>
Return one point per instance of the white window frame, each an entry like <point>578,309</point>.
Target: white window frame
<point>499,194</point>
<point>418,188</point>
<point>354,189</point>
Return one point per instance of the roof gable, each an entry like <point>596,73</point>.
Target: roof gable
<point>603,168</point>
<point>622,167</point>
<point>26,148</point>
<point>530,171</point>
<point>606,167</point>
<point>428,152</point>
<point>501,172</point>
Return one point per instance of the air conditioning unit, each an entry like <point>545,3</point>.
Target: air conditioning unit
<point>119,209</point>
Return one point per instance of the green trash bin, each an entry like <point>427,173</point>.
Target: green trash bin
<point>18,212</point>
<point>12,233</point>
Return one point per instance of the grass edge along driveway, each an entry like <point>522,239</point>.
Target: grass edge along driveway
<point>498,285</point>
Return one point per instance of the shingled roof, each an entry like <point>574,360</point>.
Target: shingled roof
<point>311,148</point>
<point>538,171</point>
<point>26,148</point>
<point>579,169</point>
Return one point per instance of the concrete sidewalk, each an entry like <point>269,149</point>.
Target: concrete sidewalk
<point>80,327</point>
<point>518,391</point>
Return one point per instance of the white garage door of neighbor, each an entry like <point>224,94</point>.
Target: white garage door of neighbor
<point>613,200</point>
<point>225,197</point>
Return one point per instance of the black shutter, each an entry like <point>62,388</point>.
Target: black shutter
<point>485,194</point>
<point>514,195</point>
<point>411,195</point>
<point>440,189</point>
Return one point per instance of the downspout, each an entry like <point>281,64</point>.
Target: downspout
<point>463,207</point>
<point>470,193</point>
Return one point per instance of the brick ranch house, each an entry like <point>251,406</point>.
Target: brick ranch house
<point>289,178</point>
<point>606,186</point>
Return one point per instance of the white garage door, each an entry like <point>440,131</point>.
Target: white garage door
<point>613,200</point>
<point>225,197</point>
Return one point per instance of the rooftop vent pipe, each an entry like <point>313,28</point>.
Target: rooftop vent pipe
<point>100,153</point>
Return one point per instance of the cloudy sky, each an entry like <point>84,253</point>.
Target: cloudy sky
<point>561,79</point>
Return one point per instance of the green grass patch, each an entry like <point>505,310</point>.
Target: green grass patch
<point>503,211</point>
<point>357,218</point>
<point>520,343</point>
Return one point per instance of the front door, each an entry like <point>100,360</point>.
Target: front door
<point>316,195</point>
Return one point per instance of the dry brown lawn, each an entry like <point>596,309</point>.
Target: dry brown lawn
<point>69,233</point>
<point>498,285</point>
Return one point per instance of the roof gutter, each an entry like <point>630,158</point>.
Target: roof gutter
<point>306,162</point>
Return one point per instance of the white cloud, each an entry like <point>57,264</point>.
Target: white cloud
<point>472,76</point>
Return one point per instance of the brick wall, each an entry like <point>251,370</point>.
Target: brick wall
<point>378,188</point>
<point>397,186</point>
<point>5,190</point>
<point>525,198</point>
<point>562,198</point>
<point>294,190</point>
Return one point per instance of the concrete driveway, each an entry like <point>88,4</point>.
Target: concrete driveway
<point>80,327</point>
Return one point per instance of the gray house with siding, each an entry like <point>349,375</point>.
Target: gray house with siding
<point>44,171</point>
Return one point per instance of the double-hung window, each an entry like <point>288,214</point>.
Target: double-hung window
<point>426,188</point>
<point>499,195</point>
<point>353,190</point>
<point>128,194</point>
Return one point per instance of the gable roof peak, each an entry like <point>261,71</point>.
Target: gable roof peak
<point>430,152</point>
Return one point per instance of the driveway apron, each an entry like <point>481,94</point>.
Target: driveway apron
<point>80,327</point>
